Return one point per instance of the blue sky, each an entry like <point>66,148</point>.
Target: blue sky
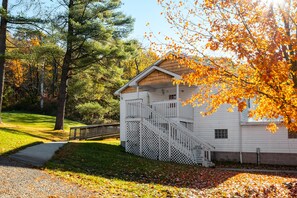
<point>144,11</point>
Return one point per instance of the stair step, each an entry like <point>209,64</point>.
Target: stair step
<point>183,145</point>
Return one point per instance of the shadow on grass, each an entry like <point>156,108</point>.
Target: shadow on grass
<point>17,117</point>
<point>34,119</point>
<point>112,162</point>
<point>56,135</point>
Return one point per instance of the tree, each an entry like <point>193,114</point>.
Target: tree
<point>33,60</point>
<point>93,33</point>
<point>256,41</point>
<point>3,29</point>
<point>18,19</point>
<point>91,97</point>
<point>139,59</point>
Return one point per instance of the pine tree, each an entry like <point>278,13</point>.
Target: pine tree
<point>93,34</point>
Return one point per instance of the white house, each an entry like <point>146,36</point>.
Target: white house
<point>155,125</point>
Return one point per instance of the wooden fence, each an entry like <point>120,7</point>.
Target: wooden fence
<point>94,131</point>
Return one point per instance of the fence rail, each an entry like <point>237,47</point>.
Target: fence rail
<point>94,131</point>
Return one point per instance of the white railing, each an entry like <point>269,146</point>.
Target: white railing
<point>173,109</point>
<point>166,108</point>
<point>133,108</point>
<point>180,141</point>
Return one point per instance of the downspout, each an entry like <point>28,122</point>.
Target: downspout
<point>240,139</point>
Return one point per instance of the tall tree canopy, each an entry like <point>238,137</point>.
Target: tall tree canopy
<point>13,17</point>
<point>139,59</point>
<point>257,43</point>
<point>92,32</point>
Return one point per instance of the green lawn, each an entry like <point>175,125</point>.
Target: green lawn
<point>104,167</point>
<point>22,129</point>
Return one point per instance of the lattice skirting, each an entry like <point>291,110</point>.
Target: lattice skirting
<point>133,138</point>
<point>152,145</point>
<point>180,157</point>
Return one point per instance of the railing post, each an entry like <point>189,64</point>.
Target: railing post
<point>177,98</point>
<point>127,110</point>
<point>70,134</point>
<point>169,142</point>
<point>140,130</point>
<point>80,134</point>
<point>159,156</point>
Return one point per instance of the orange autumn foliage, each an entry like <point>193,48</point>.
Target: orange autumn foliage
<point>35,41</point>
<point>17,70</point>
<point>256,41</point>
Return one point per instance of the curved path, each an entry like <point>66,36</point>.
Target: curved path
<point>20,179</point>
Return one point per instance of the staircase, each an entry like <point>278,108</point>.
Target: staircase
<point>150,134</point>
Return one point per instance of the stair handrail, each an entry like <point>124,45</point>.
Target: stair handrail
<point>185,131</point>
<point>188,132</point>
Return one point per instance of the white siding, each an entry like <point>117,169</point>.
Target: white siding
<point>122,118</point>
<point>124,98</point>
<point>253,136</point>
<point>204,127</point>
<point>186,92</point>
<point>257,137</point>
<point>162,94</point>
<point>157,95</point>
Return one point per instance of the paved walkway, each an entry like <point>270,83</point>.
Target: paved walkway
<point>39,154</point>
<point>18,178</point>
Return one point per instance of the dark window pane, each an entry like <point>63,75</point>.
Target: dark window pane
<point>221,133</point>
<point>292,134</point>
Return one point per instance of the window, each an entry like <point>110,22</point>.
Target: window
<point>221,133</point>
<point>292,134</point>
<point>172,97</point>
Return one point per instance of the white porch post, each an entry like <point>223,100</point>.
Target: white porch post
<point>177,98</point>
<point>169,142</point>
<point>140,131</point>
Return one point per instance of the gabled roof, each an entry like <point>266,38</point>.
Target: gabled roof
<point>139,77</point>
<point>148,71</point>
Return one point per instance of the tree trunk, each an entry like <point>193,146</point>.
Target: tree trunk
<point>63,93</point>
<point>3,27</point>
<point>42,86</point>
<point>55,78</point>
<point>62,97</point>
<point>137,66</point>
